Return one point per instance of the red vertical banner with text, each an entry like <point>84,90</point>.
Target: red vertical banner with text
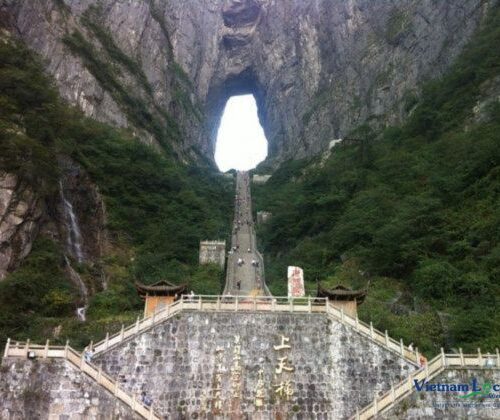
<point>295,282</point>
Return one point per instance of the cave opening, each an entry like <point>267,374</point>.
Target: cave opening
<point>241,143</point>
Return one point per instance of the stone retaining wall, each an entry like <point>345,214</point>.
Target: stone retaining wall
<point>54,389</point>
<point>447,405</point>
<point>177,364</point>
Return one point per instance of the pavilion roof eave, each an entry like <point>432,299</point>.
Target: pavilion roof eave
<point>162,287</point>
<point>342,293</point>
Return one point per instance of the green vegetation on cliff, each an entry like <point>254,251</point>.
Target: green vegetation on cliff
<point>157,210</point>
<point>38,287</point>
<point>416,209</point>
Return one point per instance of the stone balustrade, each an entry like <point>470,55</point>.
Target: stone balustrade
<point>427,372</point>
<point>228,303</point>
<point>47,351</point>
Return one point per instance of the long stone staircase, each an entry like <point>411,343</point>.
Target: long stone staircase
<point>263,304</point>
<point>77,360</point>
<point>188,303</point>
<point>247,277</point>
<point>427,372</point>
<point>240,297</point>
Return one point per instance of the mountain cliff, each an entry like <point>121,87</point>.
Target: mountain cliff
<point>120,184</point>
<point>318,68</point>
<point>412,211</point>
<point>86,209</point>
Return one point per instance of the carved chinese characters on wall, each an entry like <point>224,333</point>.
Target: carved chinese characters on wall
<point>279,386</point>
<point>217,383</point>
<point>236,376</point>
<point>283,387</point>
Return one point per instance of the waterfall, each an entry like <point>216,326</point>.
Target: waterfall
<point>74,247</point>
<point>82,288</point>
<point>74,235</point>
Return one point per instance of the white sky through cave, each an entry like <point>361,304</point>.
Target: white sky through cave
<point>241,143</point>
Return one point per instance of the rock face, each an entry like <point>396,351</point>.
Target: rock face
<point>77,189</point>
<point>184,363</point>
<point>64,205</point>
<point>54,389</point>
<point>24,213</point>
<point>20,214</point>
<point>318,68</point>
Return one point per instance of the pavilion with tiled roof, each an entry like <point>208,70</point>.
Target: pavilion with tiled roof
<point>343,297</point>
<point>158,295</point>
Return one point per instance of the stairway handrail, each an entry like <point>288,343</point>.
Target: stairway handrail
<point>139,326</point>
<point>25,350</point>
<point>261,304</point>
<point>262,271</point>
<point>228,303</point>
<point>281,304</point>
<point>404,388</point>
<point>375,335</point>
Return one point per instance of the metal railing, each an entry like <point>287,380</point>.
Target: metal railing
<point>228,303</point>
<point>426,372</point>
<point>34,351</point>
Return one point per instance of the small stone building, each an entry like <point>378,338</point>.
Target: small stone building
<point>260,179</point>
<point>158,295</point>
<point>213,252</point>
<point>263,217</point>
<point>344,298</point>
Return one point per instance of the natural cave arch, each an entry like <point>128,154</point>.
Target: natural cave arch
<point>243,83</point>
<point>241,141</point>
